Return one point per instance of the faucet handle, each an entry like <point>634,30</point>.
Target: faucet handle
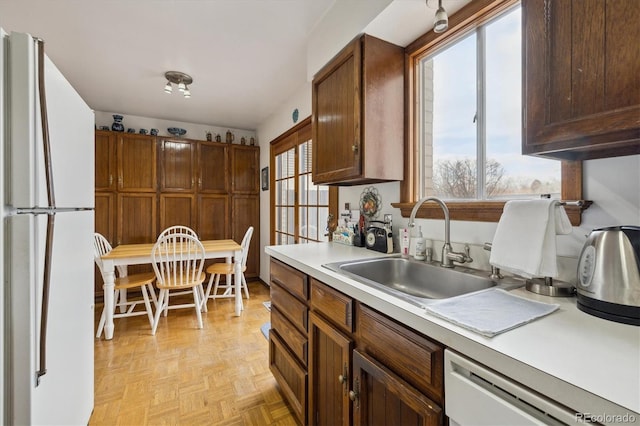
<point>467,252</point>
<point>487,246</point>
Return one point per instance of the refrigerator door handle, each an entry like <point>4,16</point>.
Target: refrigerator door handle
<point>46,281</point>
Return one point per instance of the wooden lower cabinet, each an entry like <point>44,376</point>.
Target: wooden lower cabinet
<point>244,211</point>
<point>329,371</point>
<point>381,397</point>
<point>364,368</point>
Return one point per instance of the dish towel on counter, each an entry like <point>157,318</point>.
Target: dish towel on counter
<point>490,312</point>
<point>525,239</point>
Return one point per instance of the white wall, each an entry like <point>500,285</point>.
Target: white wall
<point>194,131</point>
<point>278,123</point>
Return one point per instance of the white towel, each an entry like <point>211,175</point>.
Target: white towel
<point>491,311</point>
<point>525,240</point>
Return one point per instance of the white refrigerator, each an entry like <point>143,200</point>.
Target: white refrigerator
<point>47,181</point>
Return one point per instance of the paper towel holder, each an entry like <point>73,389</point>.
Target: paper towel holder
<point>547,286</point>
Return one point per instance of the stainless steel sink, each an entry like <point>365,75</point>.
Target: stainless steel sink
<point>417,282</point>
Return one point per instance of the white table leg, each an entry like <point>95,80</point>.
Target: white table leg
<point>109,283</point>
<point>237,270</point>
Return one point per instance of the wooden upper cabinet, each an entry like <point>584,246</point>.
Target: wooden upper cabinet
<point>105,161</point>
<point>358,114</point>
<point>213,168</point>
<point>136,163</point>
<point>177,165</point>
<point>244,169</point>
<point>582,84</point>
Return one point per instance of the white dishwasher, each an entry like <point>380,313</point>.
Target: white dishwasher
<point>476,395</point>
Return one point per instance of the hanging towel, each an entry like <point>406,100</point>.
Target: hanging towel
<point>491,311</point>
<point>525,239</point>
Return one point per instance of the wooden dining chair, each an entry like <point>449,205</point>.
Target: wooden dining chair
<point>178,260</point>
<point>180,229</point>
<point>217,269</point>
<point>143,281</point>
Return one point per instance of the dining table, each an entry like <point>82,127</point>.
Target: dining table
<point>140,254</point>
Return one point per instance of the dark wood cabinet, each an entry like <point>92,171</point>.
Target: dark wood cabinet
<point>329,373</point>
<point>136,163</point>
<point>177,165</point>
<point>106,171</point>
<point>360,368</point>
<point>244,169</point>
<point>358,114</point>
<point>213,168</point>
<point>581,67</point>
<point>145,184</point>
<point>288,341</point>
<point>381,397</point>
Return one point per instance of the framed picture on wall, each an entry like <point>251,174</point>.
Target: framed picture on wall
<point>265,178</point>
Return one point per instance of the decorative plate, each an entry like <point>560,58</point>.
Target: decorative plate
<point>370,202</point>
<point>176,131</point>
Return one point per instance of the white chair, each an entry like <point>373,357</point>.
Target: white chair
<point>124,282</point>
<point>180,229</point>
<point>178,260</point>
<point>217,269</point>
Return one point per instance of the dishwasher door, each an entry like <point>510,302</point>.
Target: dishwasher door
<point>475,395</point>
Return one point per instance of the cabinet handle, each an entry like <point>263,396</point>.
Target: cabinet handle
<point>110,180</point>
<point>200,182</point>
<point>193,182</point>
<point>354,148</point>
<point>354,395</point>
<point>344,378</point>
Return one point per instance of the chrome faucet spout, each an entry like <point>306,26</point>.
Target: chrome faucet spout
<point>448,255</point>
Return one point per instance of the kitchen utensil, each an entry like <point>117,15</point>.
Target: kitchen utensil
<point>608,283</point>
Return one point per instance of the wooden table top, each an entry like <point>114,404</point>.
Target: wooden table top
<point>137,250</point>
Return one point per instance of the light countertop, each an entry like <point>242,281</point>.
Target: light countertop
<point>586,363</point>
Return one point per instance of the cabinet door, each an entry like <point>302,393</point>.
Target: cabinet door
<point>329,374</point>
<point>244,169</point>
<point>105,161</point>
<point>581,69</point>
<point>336,117</point>
<point>136,163</point>
<point>245,212</point>
<point>177,209</point>
<point>177,165</point>
<point>213,217</point>
<point>136,218</point>
<point>213,168</point>
<point>105,221</point>
<point>382,398</point>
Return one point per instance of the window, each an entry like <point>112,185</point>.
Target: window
<point>300,208</point>
<point>464,109</point>
<point>470,109</point>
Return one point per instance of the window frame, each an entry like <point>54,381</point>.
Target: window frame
<point>290,139</point>
<point>467,19</point>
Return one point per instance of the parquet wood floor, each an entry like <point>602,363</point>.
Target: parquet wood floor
<point>185,376</point>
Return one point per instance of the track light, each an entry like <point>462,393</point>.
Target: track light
<point>442,21</point>
<point>181,79</point>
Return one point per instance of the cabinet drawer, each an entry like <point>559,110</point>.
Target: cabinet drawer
<point>294,281</point>
<point>408,354</point>
<point>296,341</point>
<point>292,308</point>
<point>335,306</point>
<point>291,377</point>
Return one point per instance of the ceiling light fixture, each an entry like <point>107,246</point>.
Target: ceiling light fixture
<point>442,21</point>
<point>181,79</point>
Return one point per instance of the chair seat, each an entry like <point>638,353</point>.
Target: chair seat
<point>223,268</point>
<point>135,280</point>
<point>186,284</point>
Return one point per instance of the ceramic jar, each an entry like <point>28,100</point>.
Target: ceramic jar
<point>117,125</point>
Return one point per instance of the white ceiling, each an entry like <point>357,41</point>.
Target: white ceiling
<point>246,56</point>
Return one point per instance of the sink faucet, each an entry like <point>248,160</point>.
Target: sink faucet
<point>448,255</point>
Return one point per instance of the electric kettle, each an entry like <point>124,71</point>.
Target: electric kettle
<point>608,284</point>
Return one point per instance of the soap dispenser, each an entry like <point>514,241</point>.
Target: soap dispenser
<point>421,246</point>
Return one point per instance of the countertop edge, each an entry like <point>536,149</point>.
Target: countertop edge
<point>479,348</point>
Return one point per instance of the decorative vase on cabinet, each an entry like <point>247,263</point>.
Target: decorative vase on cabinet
<point>117,125</point>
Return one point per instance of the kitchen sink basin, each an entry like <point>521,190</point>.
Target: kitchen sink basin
<point>417,282</point>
